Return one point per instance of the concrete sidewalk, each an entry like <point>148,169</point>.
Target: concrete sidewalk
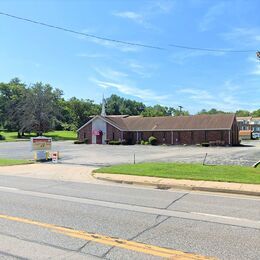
<point>50,171</point>
<point>164,183</point>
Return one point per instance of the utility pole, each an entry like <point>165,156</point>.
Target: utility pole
<point>180,107</point>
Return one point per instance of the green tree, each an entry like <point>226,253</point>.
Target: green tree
<point>40,109</point>
<point>116,105</point>
<point>243,113</point>
<point>212,111</point>
<point>81,110</point>
<point>11,96</point>
<point>256,113</point>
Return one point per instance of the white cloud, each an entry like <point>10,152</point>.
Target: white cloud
<point>134,16</point>
<point>256,70</point>
<point>142,69</point>
<point>110,74</point>
<point>143,94</point>
<point>197,94</point>
<point>142,17</point>
<point>121,82</point>
<point>212,14</point>
<point>243,36</point>
<point>181,57</point>
<point>91,55</point>
<point>227,97</point>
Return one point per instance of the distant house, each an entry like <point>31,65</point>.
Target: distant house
<point>171,130</point>
<point>248,123</point>
<point>245,134</point>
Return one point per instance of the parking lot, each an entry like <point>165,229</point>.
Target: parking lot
<point>98,155</point>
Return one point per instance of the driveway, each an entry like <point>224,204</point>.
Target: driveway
<point>98,155</point>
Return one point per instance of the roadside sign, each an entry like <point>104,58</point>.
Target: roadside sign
<point>54,157</point>
<point>41,143</point>
<point>40,156</point>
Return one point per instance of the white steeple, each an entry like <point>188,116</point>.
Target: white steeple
<point>103,111</point>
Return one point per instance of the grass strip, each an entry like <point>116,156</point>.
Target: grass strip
<point>223,173</point>
<point>9,162</point>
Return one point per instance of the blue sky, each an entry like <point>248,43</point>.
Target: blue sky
<point>87,68</point>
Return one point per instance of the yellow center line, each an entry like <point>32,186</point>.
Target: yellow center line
<point>111,241</point>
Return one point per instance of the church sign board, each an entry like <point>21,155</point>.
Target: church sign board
<point>41,143</point>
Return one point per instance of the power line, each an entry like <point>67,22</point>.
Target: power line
<point>206,49</point>
<point>119,41</point>
<point>81,33</point>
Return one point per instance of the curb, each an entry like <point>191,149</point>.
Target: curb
<point>183,187</point>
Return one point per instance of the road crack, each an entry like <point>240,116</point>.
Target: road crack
<point>140,233</point>
<point>181,197</point>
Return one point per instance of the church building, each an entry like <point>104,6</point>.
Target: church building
<point>220,129</point>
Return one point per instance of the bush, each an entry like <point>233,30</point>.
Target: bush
<point>2,137</point>
<point>152,140</point>
<point>81,142</point>
<point>123,142</point>
<point>78,142</point>
<point>146,143</point>
<point>205,144</point>
<point>114,142</point>
<point>142,142</point>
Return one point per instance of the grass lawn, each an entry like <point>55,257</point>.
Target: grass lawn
<point>226,173</point>
<point>56,136</point>
<point>8,162</point>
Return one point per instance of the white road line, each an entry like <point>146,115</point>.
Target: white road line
<point>141,209</point>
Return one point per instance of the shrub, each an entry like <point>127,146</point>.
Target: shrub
<point>114,142</point>
<point>142,142</point>
<point>123,142</point>
<point>146,143</point>
<point>78,142</point>
<point>152,140</point>
<point>2,137</point>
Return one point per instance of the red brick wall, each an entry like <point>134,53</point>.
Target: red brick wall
<point>179,137</point>
<point>85,132</point>
<point>110,130</point>
<point>213,135</point>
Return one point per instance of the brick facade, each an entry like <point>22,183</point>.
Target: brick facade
<point>189,137</point>
<point>113,133</point>
<point>86,133</point>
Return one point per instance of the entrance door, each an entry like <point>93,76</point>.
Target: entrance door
<point>98,139</point>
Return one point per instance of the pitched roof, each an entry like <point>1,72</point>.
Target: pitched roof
<point>197,122</point>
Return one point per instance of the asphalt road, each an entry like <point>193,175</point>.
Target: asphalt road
<point>42,219</point>
<point>99,155</point>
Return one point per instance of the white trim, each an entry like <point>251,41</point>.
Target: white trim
<point>87,123</point>
<point>102,119</point>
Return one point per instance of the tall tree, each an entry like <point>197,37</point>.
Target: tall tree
<point>81,110</point>
<point>40,109</point>
<point>11,96</point>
